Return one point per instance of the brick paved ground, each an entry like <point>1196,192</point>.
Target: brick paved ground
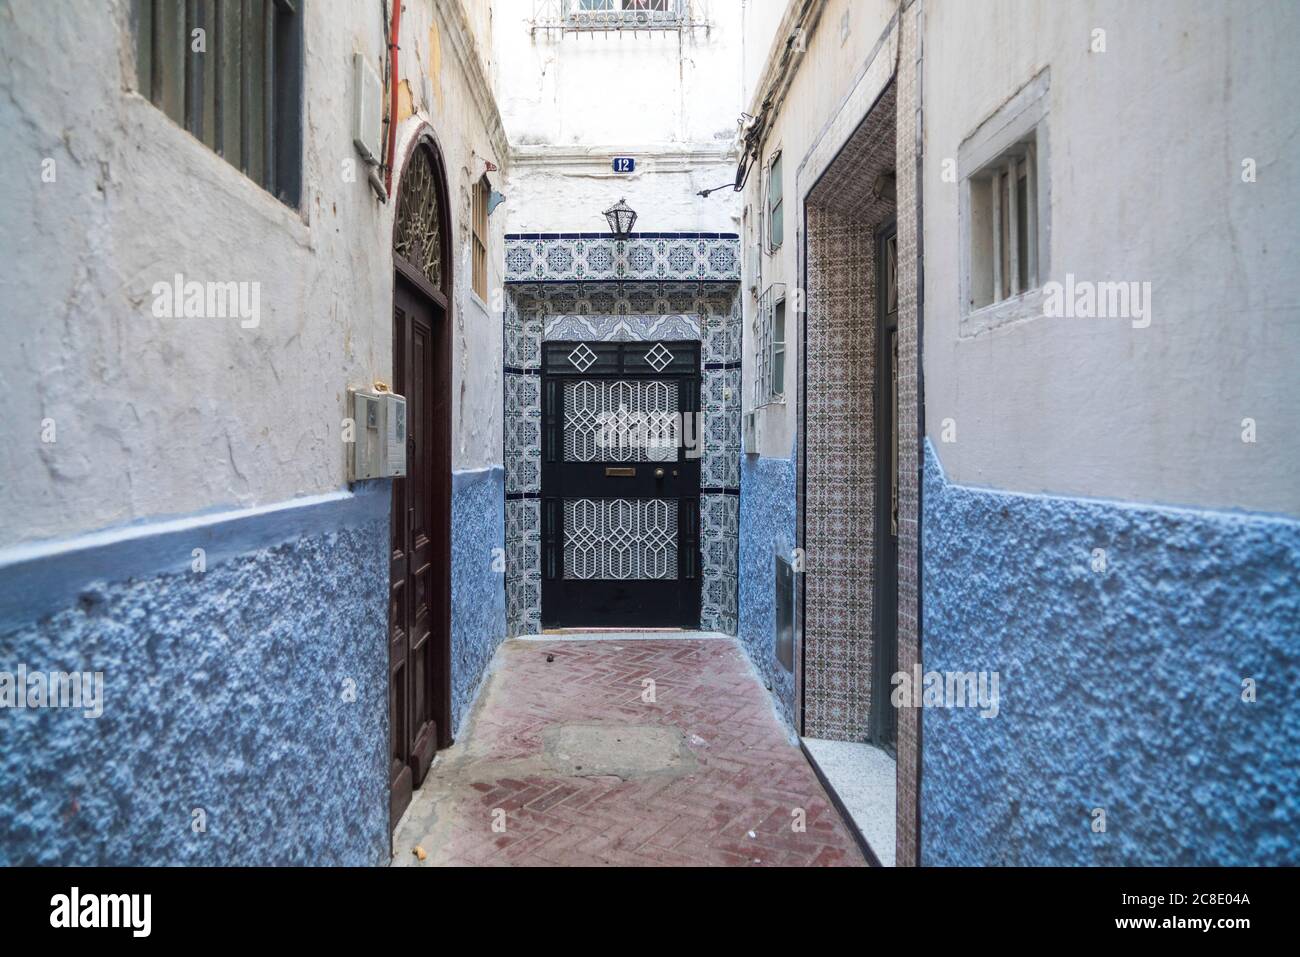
<point>579,769</point>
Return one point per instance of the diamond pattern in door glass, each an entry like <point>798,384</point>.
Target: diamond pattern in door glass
<point>658,357</point>
<point>582,357</point>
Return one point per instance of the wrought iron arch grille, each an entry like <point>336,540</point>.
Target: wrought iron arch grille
<point>418,236</point>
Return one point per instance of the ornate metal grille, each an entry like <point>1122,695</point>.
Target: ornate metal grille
<point>568,16</point>
<point>620,538</point>
<point>620,421</point>
<point>417,238</point>
<point>764,341</point>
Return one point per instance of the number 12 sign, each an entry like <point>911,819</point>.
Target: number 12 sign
<point>624,164</point>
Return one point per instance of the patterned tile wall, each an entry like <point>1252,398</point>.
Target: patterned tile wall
<point>705,311</point>
<point>591,257</point>
<point>844,211</point>
<point>910,454</point>
<point>839,492</point>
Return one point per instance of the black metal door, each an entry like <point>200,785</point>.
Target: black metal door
<point>621,448</point>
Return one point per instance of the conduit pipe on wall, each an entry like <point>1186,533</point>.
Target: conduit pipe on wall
<point>392,95</point>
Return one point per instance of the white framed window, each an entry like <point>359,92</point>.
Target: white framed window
<point>635,16</point>
<point>769,340</point>
<point>1004,227</point>
<point>1005,212</point>
<point>657,6</point>
<point>775,204</point>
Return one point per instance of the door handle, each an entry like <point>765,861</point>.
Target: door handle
<point>659,473</point>
<point>613,471</point>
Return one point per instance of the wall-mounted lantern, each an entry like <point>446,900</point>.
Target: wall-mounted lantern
<point>621,218</point>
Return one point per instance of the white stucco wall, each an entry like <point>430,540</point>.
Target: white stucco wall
<point>1146,145</point>
<point>837,51</point>
<point>572,102</point>
<point>171,416</point>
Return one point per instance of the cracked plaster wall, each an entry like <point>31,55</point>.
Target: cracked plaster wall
<point>163,417</point>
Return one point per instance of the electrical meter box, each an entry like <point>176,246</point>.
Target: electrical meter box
<point>378,435</point>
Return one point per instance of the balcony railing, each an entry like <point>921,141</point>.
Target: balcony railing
<point>590,16</point>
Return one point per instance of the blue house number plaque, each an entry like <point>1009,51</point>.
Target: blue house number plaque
<point>624,164</point>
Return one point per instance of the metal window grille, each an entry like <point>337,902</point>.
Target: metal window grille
<point>770,348</point>
<point>481,191</point>
<point>578,16</point>
<point>620,538</point>
<point>621,421</point>
<point>230,72</point>
<point>1004,254</point>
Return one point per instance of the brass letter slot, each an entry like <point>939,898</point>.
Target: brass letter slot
<point>612,471</point>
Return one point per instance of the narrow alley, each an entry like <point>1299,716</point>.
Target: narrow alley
<point>630,750</point>
<point>649,433</point>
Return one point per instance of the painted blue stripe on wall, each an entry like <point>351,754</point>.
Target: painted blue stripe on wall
<point>37,579</point>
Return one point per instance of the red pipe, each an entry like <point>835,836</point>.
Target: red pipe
<point>392,102</point>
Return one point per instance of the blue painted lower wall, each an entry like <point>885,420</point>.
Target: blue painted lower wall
<point>250,697</point>
<point>1119,690</point>
<point>478,592</point>
<point>767,525</point>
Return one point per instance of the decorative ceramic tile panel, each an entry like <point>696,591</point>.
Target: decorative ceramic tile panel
<point>719,542</point>
<point>837,477</point>
<point>622,328</point>
<point>589,257</point>
<point>705,311</point>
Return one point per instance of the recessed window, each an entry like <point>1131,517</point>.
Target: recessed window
<point>1004,211</point>
<point>230,72</point>
<point>482,190</point>
<point>775,205</point>
<point>1004,227</point>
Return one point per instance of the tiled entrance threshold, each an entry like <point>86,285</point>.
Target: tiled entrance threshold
<point>863,778</point>
<point>625,749</point>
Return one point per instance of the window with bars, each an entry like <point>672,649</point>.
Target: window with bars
<point>775,205</point>
<point>769,340</point>
<point>230,72</point>
<point>655,6</point>
<point>482,191</point>
<point>1004,227</point>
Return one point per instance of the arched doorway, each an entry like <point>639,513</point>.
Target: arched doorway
<point>419,674</point>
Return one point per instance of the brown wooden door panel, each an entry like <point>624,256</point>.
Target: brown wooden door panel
<point>421,545</point>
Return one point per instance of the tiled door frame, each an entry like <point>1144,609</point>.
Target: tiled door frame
<point>819,221</point>
<point>662,286</point>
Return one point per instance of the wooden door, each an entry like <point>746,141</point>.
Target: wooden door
<point>620,488</point>
<point>419,642</point>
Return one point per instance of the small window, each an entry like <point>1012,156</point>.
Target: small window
<point>775,209</point>
<point>1004,233</point>
<point>778,348</point>
<point>1004,212</point>
<point>482,190</point>
<point>769,340</point>
<point>656,6</point>
<point>231,74</point>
